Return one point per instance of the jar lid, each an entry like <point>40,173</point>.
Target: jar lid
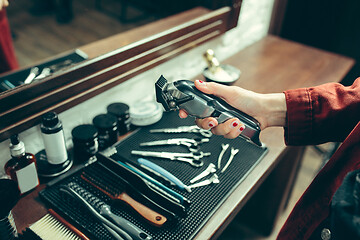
<point>50,119</point>
<point>105,121</point>
<point>145,113</point>
<point>118,109</point>
<point>84,132</point>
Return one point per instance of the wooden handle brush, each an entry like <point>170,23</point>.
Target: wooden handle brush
<point>150,215</point>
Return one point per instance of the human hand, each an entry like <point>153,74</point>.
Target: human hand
<point>267,109</point>
<point>3,4</point>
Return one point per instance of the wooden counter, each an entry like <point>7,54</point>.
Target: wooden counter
<point>270,65</point>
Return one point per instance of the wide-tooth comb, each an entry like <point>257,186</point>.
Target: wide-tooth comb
<point>150,215</point>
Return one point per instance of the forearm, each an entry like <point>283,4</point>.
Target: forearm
<point>272,110</point>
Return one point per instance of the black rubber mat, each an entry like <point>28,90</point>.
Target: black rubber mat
<point>204,200</point>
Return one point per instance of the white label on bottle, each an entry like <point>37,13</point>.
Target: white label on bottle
<point>55,147</point>
<point>27,178</point>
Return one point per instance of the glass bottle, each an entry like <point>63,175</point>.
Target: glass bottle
<point>22,166</point>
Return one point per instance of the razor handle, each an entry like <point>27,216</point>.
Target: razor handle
<point>183,94</point>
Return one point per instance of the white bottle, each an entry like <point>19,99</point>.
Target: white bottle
<point>54,139</point>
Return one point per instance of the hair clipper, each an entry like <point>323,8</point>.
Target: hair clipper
<point>183,94</point>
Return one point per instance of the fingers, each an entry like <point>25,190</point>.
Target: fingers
<point>232,128</point>
<point>216,89</point>
<point>207,123</point>
<point>182,113</point>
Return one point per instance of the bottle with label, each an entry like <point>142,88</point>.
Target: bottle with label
<point>54,139</point>
<point>22,166</point>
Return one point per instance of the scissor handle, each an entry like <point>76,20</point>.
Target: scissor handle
<point>205,133</point>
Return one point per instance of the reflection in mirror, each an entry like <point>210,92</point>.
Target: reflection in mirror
<point>43,30</point>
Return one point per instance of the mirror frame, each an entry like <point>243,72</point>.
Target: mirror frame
<point>22,107</point>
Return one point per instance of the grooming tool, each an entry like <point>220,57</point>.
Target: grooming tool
<point>50,227</point>
<point>213,179</point>
<point>150,215</point>
<point>9,196</point>
<point>148,164</point>
<point>192,144</point>
<point>112,180</point>
<point>67,224</point>
<point>155,196</point>
<point>7,85</point>
<point>57,66</point>
<point>210,169</point>
<point>184,129</point>
<point>174,194</point>
<point>223,150</point>
<point>34,71</point>
<point>44,73</point>
<point>115,231</point>
<point>183,94</point>
<point>116,223</point>
<point>194,159</point>
<point>232,154</point>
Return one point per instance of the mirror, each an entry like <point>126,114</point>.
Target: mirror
<point>112,61</point>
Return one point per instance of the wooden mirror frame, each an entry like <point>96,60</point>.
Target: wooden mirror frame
<point>23,107</point>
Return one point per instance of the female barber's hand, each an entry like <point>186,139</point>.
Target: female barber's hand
<point>3,4</point>
<point>267,109</point>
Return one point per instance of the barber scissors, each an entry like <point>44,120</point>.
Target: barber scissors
<point>194,159</point>
<point>192,144</point>
<point>182,129</point>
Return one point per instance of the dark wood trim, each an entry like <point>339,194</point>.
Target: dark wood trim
<point>23,108</point>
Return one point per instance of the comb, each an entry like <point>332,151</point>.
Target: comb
<point>53,226</point>
<point>148,214</point>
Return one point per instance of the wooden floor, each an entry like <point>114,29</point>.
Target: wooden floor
<point>40,37</point>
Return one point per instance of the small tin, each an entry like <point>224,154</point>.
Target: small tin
<point>106,125</point>
<point>145,113</point>
<point>85,139</point>
<point>122,113</point>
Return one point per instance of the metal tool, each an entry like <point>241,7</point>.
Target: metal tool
<point>183,94</point>
<point>152,166</point>
<point>44,73</point>
<point>224,147</point>
<point>182,129</point>
<point>232,154</point>
<point>210,169</point>
<point>192,144</point>
<point>213,179</point>
<point>194,159</point>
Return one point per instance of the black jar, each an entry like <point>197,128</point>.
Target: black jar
<point>106,125</point>
<point>121,112</point>
<point>85,139</point>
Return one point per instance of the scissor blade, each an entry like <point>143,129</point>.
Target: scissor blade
<point>155,143</point>
<point>150,154</point>
<point>167,130</point>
